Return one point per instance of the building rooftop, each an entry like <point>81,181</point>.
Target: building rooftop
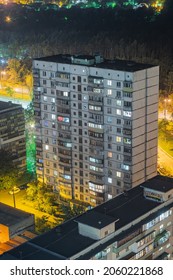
<point>64,241</point>
<point>8,105</point>
<point>95,219</point>
<point>116,64</point>
<point>10,216</point>
<point>159,183</point>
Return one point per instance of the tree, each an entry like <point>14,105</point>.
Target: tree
<point>10,91</point>
<point>42,224</point>
<point>29,82</point>
<point>17,71</point>
<point>70,212</point>
<point>9,174</point>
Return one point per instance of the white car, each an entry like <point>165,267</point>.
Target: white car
<point>14,190</point>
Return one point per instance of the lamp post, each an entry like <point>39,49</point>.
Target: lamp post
<point>166,101</point>
<point>2,73</point>
<point>14,199</point>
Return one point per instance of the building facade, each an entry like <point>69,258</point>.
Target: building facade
<point>12,132</point>
<point>96,125</point>
<point>135,225</point>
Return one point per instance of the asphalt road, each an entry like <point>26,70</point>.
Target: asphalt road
<point>7,198</point>
<point>165,160</point>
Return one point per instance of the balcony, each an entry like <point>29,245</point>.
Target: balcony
<point>127,86</point>
<point>64,160</point>
<point>95,90</point>
<point>63,109</point>
<point>64,136</point>
<point>61,76</point>
<point>37,89</point>
<point>127,132</point>
<point>63,103</point>
<point>62,86</point>
<point>94,100</point>
<point>96,143</point>
<point>98,81</point>
<point>61,95</point>
<point>64,144</point>
<point>161,238</point>
<point>96,179</point>
<point>95,109</point>
<point>163,256</point>
<point>36,82</point>
<point>64,153</point>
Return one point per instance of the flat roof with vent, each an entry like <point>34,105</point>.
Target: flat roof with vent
<point>95,219</point>
<point>116,64</point>
<point>159,183</point>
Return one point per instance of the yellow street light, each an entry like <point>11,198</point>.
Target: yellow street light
<point>7,19</point>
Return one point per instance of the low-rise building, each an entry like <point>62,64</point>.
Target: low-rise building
<point>135,225</point>
<point>12,132</point>
<point>14,222</point>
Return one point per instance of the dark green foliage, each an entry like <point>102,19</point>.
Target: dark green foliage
<point>71,211</point>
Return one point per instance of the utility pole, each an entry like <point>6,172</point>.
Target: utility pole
<point>14,199</point>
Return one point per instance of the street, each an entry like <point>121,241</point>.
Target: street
<point>165,160</point>
<point>7,198</point>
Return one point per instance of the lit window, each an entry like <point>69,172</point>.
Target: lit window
<point>65,93</point>
<point>53,100</point>
<point>53,117</point>
<point>100,126</point>
<point>118,139</point>
<point>109,92</point>
<point>119,102</point>
<point>127,114</point>
<point>109,154</point>
<point>109,180</point>
<point>125,167</point>
<point>46,147</point>
<point>63,119</point>
<point>46,123</point>
<point>109,196</point>
<point>45,98</point>
<point>118,111</point>
<point>118,174</point>
<point>55,172</point>
<point>127,141</point>
<point>109,83</point>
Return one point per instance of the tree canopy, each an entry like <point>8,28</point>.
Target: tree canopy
<point>9,174</point>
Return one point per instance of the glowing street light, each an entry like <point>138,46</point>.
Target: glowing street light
<point>7,19</point>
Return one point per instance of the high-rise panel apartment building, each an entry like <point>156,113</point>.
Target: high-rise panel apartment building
<point>12,132</point>
<point>96,125</point>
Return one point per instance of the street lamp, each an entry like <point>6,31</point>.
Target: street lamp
<point>2,74</point>
<point>14,199</point>
<point>166,101</point>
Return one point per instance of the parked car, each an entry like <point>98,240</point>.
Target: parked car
<point>14,190</point>
<point>23,187</point>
